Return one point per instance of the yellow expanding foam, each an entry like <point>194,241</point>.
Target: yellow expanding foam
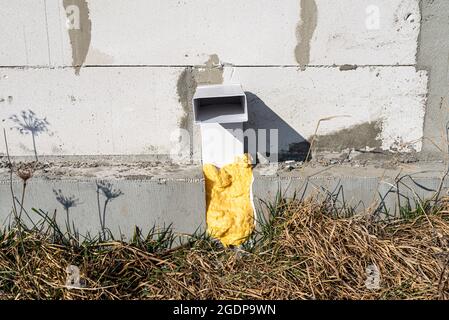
<point>229,213</point>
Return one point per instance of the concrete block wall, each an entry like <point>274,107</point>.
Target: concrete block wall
<point>121,83</point>
<point>103,78</point>
<point>142,203</point>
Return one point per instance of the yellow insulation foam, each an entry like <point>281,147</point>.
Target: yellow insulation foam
<point>229,213</point>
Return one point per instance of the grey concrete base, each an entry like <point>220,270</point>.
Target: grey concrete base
<point>142,203</point>
<point>366,189</point>
<point>178,197</point>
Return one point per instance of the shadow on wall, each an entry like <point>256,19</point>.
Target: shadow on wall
<point>291,145</point>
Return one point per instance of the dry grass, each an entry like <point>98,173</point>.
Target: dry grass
<point>302,253</point>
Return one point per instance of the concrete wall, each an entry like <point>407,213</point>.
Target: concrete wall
<point>433,56</point>
<point>142,203</point>
<point>104,78</point>
<point>121,84</point>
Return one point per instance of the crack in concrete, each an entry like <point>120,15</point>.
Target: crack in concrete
<point>336,66</point>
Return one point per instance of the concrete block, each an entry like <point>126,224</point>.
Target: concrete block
<point>171,32</point>
<point>178,198</point>
<point>369,189</point>
<point>115,111</point>
<point>130,111</point>
<point>384,103</point>
<point>142,203</point>
<point>433,57</point>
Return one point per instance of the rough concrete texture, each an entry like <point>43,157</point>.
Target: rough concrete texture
<point>346,66</point>
<point>105,111</point>
<point>101,111</point>
<point>370,75</point>
<point>80,32</point>
<point>179,197</point>
<point>304,32</point>
<point>367,189</point>
<point>172,32</point>
<point>357,137</point>
<point>433,56</point>
<point>297,101</point>
<point>189,79</point>
<point>149,196</point>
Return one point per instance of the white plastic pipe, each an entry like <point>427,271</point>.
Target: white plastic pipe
<point>220,110</point>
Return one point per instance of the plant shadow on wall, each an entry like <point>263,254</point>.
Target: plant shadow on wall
<point>28,123</point>
<point>67,202</point>
<point>109,193</point>
<point>291,144</point>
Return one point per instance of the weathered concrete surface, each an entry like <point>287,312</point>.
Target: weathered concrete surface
<point>433,56</point>
<point>374,189</point>
<point>130,111</point>
<point>296,101</point>
<point>151,196</point>
<point>102,111</point>
<point>176,195</point>
<point>172,32</point>
<point>125,73</point>
<point>79,32</point>
<point>305,30</point>
<point>120,85</point>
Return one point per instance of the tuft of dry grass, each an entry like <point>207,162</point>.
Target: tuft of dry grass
<point>303,252</point>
